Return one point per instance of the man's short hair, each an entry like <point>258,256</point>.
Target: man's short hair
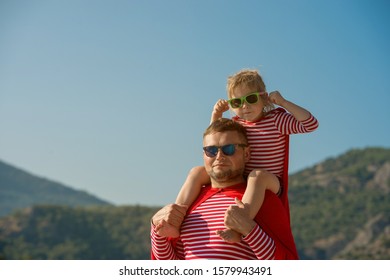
<point>224,125</point>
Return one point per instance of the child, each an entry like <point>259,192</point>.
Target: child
<point>267,129</point>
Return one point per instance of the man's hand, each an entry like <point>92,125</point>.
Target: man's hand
<point>168,220</point>
<point>237,218</point>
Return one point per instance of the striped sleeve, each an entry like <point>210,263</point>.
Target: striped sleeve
<point>288,124</point>
<point>162,249</point>
<point>261,244</point>
<point>310,124</point>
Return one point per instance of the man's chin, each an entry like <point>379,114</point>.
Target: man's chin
<point>220,175</point>
<point>224,175</point>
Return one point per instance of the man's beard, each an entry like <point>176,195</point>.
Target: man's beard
<point>223,176</point>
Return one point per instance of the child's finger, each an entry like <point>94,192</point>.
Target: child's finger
<point>239,202</point>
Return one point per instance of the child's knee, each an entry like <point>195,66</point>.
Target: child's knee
<point>196,171</point>
<point>199,175</point>
<point>257,173</point>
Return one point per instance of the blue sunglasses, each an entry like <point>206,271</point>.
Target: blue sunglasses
<point>227,150</point>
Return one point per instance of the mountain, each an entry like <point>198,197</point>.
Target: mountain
<point>20,189</point>
<point>339,210</point>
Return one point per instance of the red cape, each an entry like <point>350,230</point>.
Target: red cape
<point>272,218</point>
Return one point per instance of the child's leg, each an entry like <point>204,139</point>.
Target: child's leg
<point>258,182</point>
<point>197,177</point>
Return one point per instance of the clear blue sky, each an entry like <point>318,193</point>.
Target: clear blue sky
<point>112,97</point>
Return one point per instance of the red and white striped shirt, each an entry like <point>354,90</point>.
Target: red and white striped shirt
<point>198,239</point>
<point>267,139</point>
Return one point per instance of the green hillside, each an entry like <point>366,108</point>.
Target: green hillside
<point>340,207</point>
<point>89,233</point>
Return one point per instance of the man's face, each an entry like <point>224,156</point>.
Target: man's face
<point>224,169</point>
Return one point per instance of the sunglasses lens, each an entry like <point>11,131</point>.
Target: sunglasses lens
<point>229,150</point>
<point>211,151</point>
<point>235,103</point>
<point>252,98</point>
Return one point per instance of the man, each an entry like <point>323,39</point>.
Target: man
<point>218,206</point>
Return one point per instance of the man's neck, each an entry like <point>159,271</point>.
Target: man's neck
<point>225,184</point>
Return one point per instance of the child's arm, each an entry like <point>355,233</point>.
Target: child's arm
<point>197,177</point>
<point>219,108</point>
<point>258,182</point>
<point>301,114</point>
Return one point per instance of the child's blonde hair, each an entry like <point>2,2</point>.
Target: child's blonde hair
<point>252,80</point>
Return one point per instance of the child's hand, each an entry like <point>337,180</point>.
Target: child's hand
<point>167,230</point>
<point>276,98</point>
<point>219,108</point>
<point>229,235</point>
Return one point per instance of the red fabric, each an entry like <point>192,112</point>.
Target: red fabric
<point>272,218</point>
<point>284,183</point>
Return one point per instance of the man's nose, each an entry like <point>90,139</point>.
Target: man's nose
<point>220,154</point>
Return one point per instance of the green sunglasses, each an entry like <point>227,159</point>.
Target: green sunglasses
<point>251,98</point>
